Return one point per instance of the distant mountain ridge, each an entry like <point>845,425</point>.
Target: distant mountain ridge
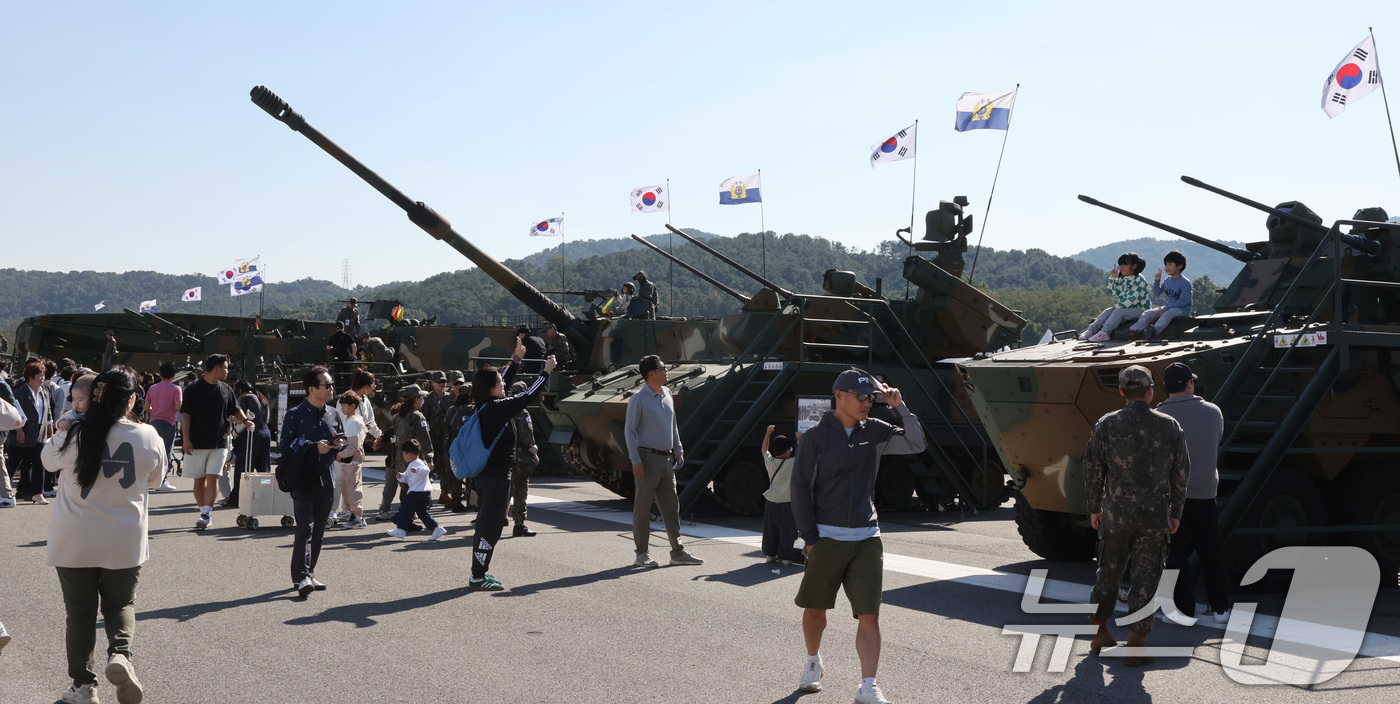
<point>1220,267</point>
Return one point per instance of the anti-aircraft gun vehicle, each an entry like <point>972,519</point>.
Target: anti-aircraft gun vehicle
<point>733,376</point>
<point>1302,355</point>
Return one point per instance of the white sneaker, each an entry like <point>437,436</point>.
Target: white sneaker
<point>166,486</point>
<point>397,533</point>
<point>305,587</point>
<point>871,695</point>
<point>438,532</point>
<point>1101,337</point>
<point>202,522</point>
<point>4,637</point>
<point>7,503</point>
<point>80,695</point>
<point>644,560</point>
<point>121,674</point>
<point>1085,335</point>
<point>811,677</point>
<point>1222,616</point>
<point>1178,618</point>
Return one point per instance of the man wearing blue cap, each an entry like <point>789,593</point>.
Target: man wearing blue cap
<point>833,503</point>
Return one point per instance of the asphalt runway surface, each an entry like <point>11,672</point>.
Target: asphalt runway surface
<point>218,621</point>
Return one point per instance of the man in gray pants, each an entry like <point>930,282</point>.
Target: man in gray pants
<point>654,445</point>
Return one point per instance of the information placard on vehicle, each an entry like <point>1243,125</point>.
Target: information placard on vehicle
<point>1307,339</point>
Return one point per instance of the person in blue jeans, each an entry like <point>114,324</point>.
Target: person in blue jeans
<point>1176,288</point>
<point>416,475</point>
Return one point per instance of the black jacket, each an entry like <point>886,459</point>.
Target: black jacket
<point>496,415</point>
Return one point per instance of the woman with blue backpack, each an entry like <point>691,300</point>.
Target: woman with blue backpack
<point>494,410</point>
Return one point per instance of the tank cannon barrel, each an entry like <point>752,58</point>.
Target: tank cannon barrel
<point>749,272</point>
<point>742,298</point>
<point>424,217</point>
<point>1356,242</point>
<point>1239,254</point>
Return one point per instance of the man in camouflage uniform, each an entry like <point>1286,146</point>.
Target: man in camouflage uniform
<point>1135,471</point>
<point>527,458</point>
<point>558,345</point>
<point>435,410</point>
<point>451,485</point>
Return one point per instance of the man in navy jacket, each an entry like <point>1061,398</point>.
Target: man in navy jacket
<point>312,427</point>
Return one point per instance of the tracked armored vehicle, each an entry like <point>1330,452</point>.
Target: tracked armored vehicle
<point>1302,354</point>
<point>736,374</point>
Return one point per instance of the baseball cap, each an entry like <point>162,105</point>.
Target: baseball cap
<point>411,391</point>
<point>455,376</point>
<point>1134,378</point>
<point>857,380</point>
<point>439,376</point>
<point>1178,374</point>
<point>522,329</point>
<point>548,326</point>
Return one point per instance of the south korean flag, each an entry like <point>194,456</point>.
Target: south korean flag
<point>650,199</point>
<point>1356,76</point>
<point>900,146</point>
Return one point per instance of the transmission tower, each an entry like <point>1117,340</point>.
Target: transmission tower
<point>345,274</point>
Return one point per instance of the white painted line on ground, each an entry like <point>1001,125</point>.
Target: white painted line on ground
<point>1375,645</point>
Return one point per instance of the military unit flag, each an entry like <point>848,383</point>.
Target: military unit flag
<point>900,146</point>
<point>984,111</point>
<point>194,294</point>
<point>740,189</point>
<point>239,270</point>
<point>548,228</point>
<point>650,199</point>
<point>100,305</point>
<point>1355,77</point>
<point>148,306</point>
<point>251,283</point>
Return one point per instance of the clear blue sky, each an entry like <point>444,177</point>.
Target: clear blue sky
<point>129,142</point>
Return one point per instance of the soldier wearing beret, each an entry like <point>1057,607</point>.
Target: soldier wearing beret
<point>1135,470</point>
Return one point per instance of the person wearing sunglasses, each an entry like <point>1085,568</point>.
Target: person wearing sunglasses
<point>833,503</point>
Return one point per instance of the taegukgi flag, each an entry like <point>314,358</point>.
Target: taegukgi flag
<point>650,199</point>
<point>240,269</point>
<point>251,283</point>
<point>548,228</point>
<point>740,189</point>
<point>194,294</point>
<point>984,111</point>
<point>900,146</point>
<point>1354,78</point>
<point>148,306</point>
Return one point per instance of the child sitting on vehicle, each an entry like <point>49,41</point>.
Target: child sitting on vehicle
<point>1178,291</point>
<point>1126,284</point>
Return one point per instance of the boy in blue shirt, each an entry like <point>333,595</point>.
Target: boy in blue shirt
<point>1177,289</point>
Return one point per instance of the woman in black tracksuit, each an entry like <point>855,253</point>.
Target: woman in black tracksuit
<point>495,410</point>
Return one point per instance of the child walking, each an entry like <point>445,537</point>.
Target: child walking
<point>1126,284</point>
<point>346,470</point>
<point>419,496</point>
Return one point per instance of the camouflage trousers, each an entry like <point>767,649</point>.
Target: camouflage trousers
<point>1146,550</point>
<point>442,463</point>
<point>520,488</point>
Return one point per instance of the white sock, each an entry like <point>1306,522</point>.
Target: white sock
<point>867,683</point>
<point>815,658</point>
<point>204,510</point>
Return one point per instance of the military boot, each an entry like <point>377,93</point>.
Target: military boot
<point>1137,640</point>
<point>1103,638</point>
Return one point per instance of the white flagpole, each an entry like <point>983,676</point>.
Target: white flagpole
<point>914,191</point>
<point>561,252</point>
<point>763,228</point>
<point>1385,100</point>
<point>670,245</point>
<point>991,193</point>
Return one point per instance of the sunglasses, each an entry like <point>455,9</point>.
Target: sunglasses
<point>458,383</point>
<point>864,398</point>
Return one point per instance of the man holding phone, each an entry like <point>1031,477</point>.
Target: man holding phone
<point>312,427</point>
<point>654,446</point>
<point>833,503</point>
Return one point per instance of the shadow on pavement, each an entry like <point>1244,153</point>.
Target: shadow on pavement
<point>794,697</point>
<point>190,611</point>
<point>1088,684</point>
<point>362,615</point>
<point>574,581</point>
<point>751,575</point>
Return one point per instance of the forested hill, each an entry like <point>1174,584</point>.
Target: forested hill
<point>582,249</point>
<point>1200,260</point>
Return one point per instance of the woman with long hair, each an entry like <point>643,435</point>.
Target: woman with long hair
<point>495,410</point>
<point>106,465</point>
<point>251,446</point>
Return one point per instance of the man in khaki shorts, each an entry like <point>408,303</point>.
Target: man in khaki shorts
<point>833,490</point>
<point>206,409</point>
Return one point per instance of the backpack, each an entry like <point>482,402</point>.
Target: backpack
<point>468,452</point>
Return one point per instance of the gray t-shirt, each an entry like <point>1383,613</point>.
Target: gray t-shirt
<point>1203,424</point>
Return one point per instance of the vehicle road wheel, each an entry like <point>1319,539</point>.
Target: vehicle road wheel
<point>1289,499</point>
<point>741,488</point>
<point>1053,535</point>
<point>988,484</point>
<point>1368,493</point>
<point>895,484</point>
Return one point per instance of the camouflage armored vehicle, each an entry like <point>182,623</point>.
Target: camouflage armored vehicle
<point>1301,355</point>
<point>736,373</point>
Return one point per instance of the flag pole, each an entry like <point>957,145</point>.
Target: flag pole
<point>262,273</point>
<point>562,287</point>
<point>914,190</point>
<point>991,193</point>
<point>1385,100</point>
<point>763,228</point>
<point>670,246</point>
